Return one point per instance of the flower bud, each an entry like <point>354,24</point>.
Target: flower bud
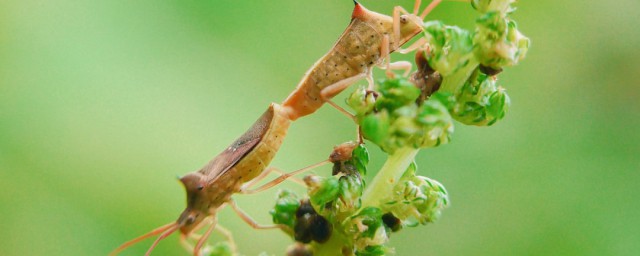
<point>322,190</point>
<point>498,41</point>
<point>287,203</point>
<point>451,47</point>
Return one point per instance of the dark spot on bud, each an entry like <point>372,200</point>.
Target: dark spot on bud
<point>301,229</point>
<point>305,208</point>
<point>489,70</point>
<point>426,78</point>
<point>320,229</point>
<point>391,222</point>
<point>310,226</point>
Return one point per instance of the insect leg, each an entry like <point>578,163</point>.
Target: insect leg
<point>263,175</point>
<point>369,77</point>
<point>342,110</point>
<point>205,236</point>
<point>388,66</point>
<point>227,234</point>
<point>294,179</point>
<point>414,46</point>
<point>194,235</point>
<point>282,178</point>
<point>246,218</point>
<point>400,65</point>
<point>185,244</point>
<point>331,90</point>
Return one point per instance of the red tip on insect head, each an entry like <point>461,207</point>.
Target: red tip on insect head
<point>358,10</point>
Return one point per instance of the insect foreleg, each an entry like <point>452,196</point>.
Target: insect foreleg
<point>246,218</point>
<point>184,238</point>
<point>185,244</point>
<point>398,65</point>
<point>204,237</point>
<point>342,110</point>
<point>388,65</point>
<point>418,44</point>
<point>227,235</point>
<point>331,90</point>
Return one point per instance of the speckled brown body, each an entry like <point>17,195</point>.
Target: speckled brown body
<point>213,185</point>
<point>255,161</point>
<point>355,52</point>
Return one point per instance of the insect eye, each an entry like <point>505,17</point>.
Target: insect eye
<point>190,220</point>
<point>199,187</point>
<point>403,19</point>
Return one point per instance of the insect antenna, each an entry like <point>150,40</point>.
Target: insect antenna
<point>429,8</point>
<point>171,226</point>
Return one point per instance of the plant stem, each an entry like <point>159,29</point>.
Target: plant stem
<point>382,184</point>
<point>453,82</point>
<point>332,247</point>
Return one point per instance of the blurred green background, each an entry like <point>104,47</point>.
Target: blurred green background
<point>103,103</point>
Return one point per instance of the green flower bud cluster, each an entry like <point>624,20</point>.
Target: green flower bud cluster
<point>332,200</point>
<point>498,42</point>
<point>451,47</point>
<point>368,232</point>
<point>456,79</point>
<point>484,6</point>
<point>394,120</point>
<point>219,249</point>
<point>284,212</point>
<point>416,199</point>
<point>480,102</point>
<point>341,192</point>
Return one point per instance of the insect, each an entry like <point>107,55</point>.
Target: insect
<point>367,42</point>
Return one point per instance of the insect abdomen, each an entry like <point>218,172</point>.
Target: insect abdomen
<point>354,53</point>
<point>259,158</point>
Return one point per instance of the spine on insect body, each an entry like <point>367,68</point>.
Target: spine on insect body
<point>355,52</point>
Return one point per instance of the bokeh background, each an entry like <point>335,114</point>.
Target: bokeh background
<point>103,103</point>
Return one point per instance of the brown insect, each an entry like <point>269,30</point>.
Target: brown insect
<point>366,42</point>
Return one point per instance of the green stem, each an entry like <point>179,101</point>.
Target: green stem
<point>382,184</point>
<point>453,82</point>
<point>332,247</point>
